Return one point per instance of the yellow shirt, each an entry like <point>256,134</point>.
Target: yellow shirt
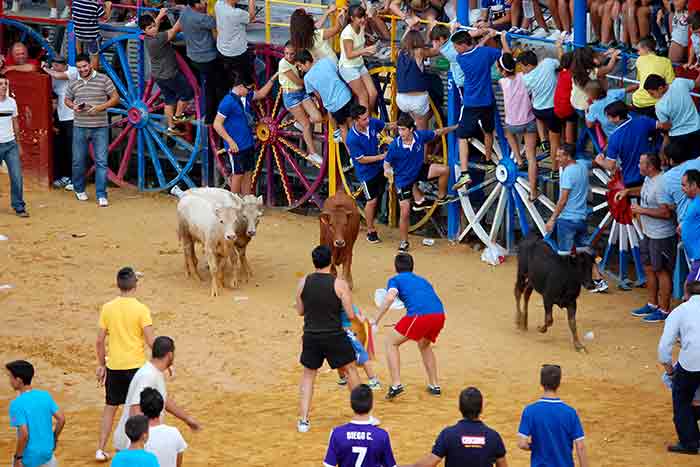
<point>321,48</point>
<point>651,64</point>
<point>124,319</point>
<point>358,42</point>
<point>286,83</point>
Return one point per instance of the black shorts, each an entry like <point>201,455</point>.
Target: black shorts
<point>470,119</point>
<point>117,385</point>
<point>241,64</point>
<point>342,114</point>
<point>549,118</point>
<point>406,193</point>
<point>659,253</point>
<point>375,187</point>
<point>336,349</point>
<point>175,89</point>
<point>646,111</point>
<point>689,140</point>
<point>240,162</point>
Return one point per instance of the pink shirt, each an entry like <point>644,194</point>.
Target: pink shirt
<point>517,101</point>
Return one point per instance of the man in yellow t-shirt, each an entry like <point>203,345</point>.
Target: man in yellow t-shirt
<point>127,325</point>
<point>649,63</point>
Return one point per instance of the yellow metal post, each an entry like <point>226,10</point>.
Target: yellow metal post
<point>332,156</point>
<point>268,20</point>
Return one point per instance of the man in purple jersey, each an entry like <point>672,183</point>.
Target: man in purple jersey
<point>358,443</point>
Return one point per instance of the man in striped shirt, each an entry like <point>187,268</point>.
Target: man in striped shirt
<point>86,15</point>
<point>89,97</point>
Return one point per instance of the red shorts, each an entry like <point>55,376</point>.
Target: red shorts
<point>421,327</point>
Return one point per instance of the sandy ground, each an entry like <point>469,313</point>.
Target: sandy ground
<point>237,355</point>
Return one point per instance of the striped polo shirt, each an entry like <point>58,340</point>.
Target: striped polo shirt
<point>86,14</point>
<point>95,90</point>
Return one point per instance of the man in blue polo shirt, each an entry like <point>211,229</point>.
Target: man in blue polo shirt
<point>321,78</point>
<point>234,123</point>
<point>627,142</point>
<point>406,159</point>
<point>676,110</point>
<point>425,318</point>
<point>549,428</point>
<point>363,145</point>
<point>690,227</point>
<point>478,101</point>
<point>671,191</point>
<point>469,443</point>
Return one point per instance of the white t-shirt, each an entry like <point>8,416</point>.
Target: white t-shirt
<point>148,376</point>
<point>59,88</point>
<point>358,42</point>
<point>231,39</point>
<point>321,48</point>
<point>7,132</point>
<point>165,442</point>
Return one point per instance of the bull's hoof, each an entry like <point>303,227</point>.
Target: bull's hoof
<point>542,329</point>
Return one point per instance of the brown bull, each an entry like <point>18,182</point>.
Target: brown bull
<point>340,224</point>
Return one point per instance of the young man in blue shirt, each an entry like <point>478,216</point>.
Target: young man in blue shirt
<point>690,227</point>
<point>137,430</point>
<point>600,99</point>
<point>359,442</point>
<point>469,443</point>
<point>549,428</point>
<point>478,101</point>
<point>234,123</point>
<point>33,413</point>
<point>363,144</point>
<point>425,318</point>
<point>406,159</point>
<point>627,142</point>
<point>672,194</point>
<point>676,110</point>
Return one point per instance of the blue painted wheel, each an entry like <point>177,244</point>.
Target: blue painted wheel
<point>28,34</point>
<point>142,153</point>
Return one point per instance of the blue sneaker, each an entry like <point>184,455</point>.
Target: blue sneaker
<point>656,317</point>
<point>644,311</point>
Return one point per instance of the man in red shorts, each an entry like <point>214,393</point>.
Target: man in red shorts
<point>425,317</point>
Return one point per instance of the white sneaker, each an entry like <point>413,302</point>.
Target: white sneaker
<point>102,202</point>
<point>315,158</point>
<point>303,426</point>
<point>539,33</point>
<point>131,23</point>
<point>16,6</point>
<point>53,14</point>
<point>82,196</point>
<point>101,456</point>
<point>374,421</point>
<point>555,35</point>
<point>68,187</point>
<point>66,12</point>
<point>298,126</point>
<point>337,135</point>
<point>177,191</point>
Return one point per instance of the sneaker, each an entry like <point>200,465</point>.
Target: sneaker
<point>372,237</point>
<point>181,118</point>
<point>539,33</point>
<point>16,6</point>
<point>544,146</point>
<point>374,384</point>
<point>682,449</point>
<point>656,317</point>
<point>599,286</point>
<point>514,30</point>
<point>101,456</point>
<point>374,421</point>
<point>522,32</point>
<point>403,248</point>
<point>61,182</point>
<point>68,187</point>
<point>421,205</point>
<point>337,135</point>
<point>53,14</point>
<point>554,35</point>
<point>298,126</point>
<point>315,158</point>
<point>461,181</point>
<point>342,381</point>
<point>447,199</point>
<point>384,53</point>
<point>65,13</point>
<point>82,196</point>
<point>177,191</point>
<point>434,390</point>
<point>22,213</point>
<point>394,391</point>
<point>644,311</point>
<point>303,426</point>
<point>102,202</point>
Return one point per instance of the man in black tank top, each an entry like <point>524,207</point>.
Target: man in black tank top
<point>321,297</point>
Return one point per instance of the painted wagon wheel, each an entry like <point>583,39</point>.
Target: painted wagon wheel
<point>140,126</point>
<point>278,145</point>
<point>501,193</point>
<point>385,80</point>
<point>29,35</point>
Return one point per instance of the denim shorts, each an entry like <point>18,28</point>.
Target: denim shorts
<point>90,47</point>
<point>361,355</point>
<point>294,98</point>
<point>352,73</point>
<point>571,234</point>
<point>529,127</point>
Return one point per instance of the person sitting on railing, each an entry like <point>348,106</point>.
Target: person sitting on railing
<point>411,10</point>
<point>676,110</point>
<point>562,12</point>
<point>86,15</point>
<point>376,28</point>
<point>352,63</point>
<point>694,51</point>
<point>321,78</point>
<point>307,34</point>
<point>18,60</point>
<point>600,99</point>
<point>297,101</point>
<point>529,10</point>
<point>478,101</point>
<point>412,81</point>
<point>611,18</point>
<point>232,40</point>
<point>174,88</point>
<point>647,64</point>
<point>678,28</point>
<point>495,14</point>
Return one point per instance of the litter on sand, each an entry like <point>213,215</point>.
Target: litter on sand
<point>6,286</point>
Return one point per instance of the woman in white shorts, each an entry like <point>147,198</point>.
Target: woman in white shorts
<point>412,81</point>
<point>352,63</point>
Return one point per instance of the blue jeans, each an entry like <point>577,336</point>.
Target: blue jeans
<point>99,138</point>
<point>571,234</point>
<point>10,155</point>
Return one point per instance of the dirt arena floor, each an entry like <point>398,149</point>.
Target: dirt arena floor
<point>237,355</point>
